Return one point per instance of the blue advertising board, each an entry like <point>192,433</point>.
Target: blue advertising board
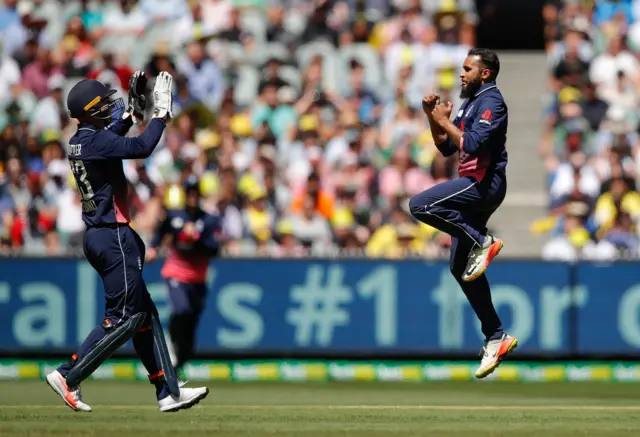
<point>338,306</point>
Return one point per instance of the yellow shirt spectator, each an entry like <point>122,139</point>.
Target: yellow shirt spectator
<point>397,241</point>
<point>605,211</point>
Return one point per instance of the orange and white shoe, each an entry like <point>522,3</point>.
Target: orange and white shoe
<point>481,257</point>
<point>494,351</point>
<point>72,397</point>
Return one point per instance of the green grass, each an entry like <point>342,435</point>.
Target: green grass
<point>476,409</point>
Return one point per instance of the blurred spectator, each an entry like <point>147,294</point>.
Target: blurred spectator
<point>574,177</point>
<point>609,10</point>
<point>410,16</point>
<point>575,241</point>
<point>37,74</point>
<point>608,68</point>
<point>8,13</point>
<point>288,245</point>
<point>318,26</point>
<point>258,219</point>
<point>271,75</point>
<point>14,25</point>
<point>111,64</point>
<point>50,113</point>
<point>124,18</point>
<point>623,236</point>
<point>9,78</point>
<point>276,31</point>
<point>158,11</point>
<point>323,202</point>
<point>404,52</point>
<point>445,53</point>
<point>309,227</point>
<point>28,53</point>
<point>161,60</point>
<point>402,176</point>
<point>202,75</point>
<point>571,69</point>
<point>594,109</point>
<point>233,32</point>
<point>572,43</point>
<point>619,198</point>
<point>346,231</point>
<point>195,24</point>
<point>365,101</point>
<point>80,45</point>
<point>216,13</point>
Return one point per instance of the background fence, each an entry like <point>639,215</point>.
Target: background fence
<point>368,308</point>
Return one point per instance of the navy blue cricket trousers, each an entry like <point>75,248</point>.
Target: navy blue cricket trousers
<point>187,303</point>
<point>186,299</point>
<point>462,208</point>
<point>117,254</point>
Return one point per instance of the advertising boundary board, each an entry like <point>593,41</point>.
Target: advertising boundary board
<point>341,307</point>
<point>374,371</point>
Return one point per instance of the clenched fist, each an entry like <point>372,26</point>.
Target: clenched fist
<point>442,112</point>
<point>429,102</point>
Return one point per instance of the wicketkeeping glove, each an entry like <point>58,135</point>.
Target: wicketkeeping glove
<point>137,100</point>
<point>162,98</point>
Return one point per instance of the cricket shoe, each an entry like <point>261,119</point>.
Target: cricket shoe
<point>480,257</point>
<point>187,399</point>
<point>493,352</point>
<point>71,396</point>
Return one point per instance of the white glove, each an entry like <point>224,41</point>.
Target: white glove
<point>162,98</point>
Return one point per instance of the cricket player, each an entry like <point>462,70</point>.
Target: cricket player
<point>194,242</point>
<point>462,207</point>
<point>115,250</point>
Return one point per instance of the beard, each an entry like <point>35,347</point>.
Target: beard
<point>470,89</point>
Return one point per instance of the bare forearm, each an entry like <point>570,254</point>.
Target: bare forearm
<point>439,135</point>
<point>451,131</point>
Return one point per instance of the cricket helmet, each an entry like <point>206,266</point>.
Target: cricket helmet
<point>90,97</point>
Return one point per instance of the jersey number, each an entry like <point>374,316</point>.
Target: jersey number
<point>80,173</point>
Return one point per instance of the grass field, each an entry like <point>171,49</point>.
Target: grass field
<point>121,409</point>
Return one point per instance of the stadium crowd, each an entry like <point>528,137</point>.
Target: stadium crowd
<point>302,118</point>
<point>591,144</point>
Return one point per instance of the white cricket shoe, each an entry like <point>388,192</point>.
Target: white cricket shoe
<point>187,399</point>
<point>493,352</point>
<point>71,396</point>
<point>480,258</point>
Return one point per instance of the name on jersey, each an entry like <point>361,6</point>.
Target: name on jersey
<point>89,206</point>
<point>75,149</point>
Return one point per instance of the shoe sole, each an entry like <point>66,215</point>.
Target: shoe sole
<point>187,404</point>
<point>62,396</point>
<point>501,356</point>
<point>494,250</point>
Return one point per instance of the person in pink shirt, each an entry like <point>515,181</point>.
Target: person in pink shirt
<point>36,75</point>
<point>403,176</point>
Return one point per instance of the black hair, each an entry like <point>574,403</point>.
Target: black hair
<point>489,59</point>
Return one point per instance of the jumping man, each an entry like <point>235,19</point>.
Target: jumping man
<point>462,207</point>
<point>112,248</point>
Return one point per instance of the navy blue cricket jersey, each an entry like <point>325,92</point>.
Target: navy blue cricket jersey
<point>188,257</point>
<point>96,155</point>
<point>483,119</point>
